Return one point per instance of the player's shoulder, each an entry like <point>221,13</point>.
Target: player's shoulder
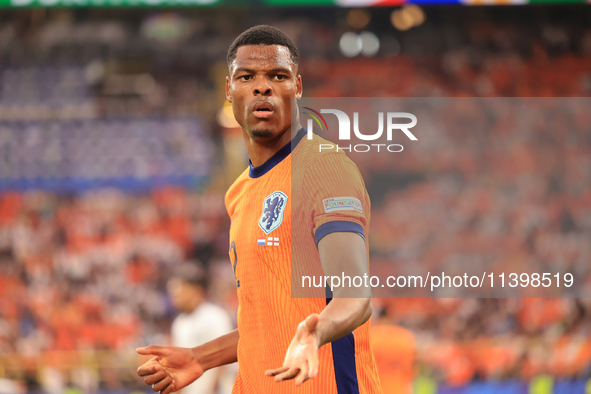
<point>236,189</point>
<point>321,153</point>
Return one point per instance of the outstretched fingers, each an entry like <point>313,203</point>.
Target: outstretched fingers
<point>303,376</point>
<point>149,368</point>
<point>289,374</point>
<point>155,377</point>
<point>153,350</point>
<point>163,384</point>
<point>275,372</point>
<point>168,390</point>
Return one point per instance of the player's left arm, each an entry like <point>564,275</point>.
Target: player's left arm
<point>340,252</point>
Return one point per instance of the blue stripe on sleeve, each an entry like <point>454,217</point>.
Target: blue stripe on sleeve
<point>336,227</point>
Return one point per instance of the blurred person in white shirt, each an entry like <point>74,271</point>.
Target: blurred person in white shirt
<point>199,322</point>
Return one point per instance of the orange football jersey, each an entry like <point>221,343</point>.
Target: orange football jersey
<point>395,349</point>
<point>271,211</point>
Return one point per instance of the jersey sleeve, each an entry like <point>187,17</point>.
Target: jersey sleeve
<point>337,197</point>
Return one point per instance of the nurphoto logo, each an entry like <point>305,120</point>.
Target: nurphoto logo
<point>345,129</point>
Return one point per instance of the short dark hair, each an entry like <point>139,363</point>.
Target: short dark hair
<point>263,35</point>
<point>191,272</point>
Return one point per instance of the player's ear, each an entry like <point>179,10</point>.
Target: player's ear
<point>299,87</point>
<point>228,94</point>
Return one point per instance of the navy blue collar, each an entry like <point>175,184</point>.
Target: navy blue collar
<point>256,172</point>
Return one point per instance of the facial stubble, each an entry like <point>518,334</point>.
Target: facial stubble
<point>263,133</point>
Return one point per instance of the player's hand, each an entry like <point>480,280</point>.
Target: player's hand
<point>171,369</point>
<point>301,359</point>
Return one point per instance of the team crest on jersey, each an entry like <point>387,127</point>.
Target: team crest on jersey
<point>273,208</point>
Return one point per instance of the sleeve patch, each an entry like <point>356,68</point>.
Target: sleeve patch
<point>342,204</point>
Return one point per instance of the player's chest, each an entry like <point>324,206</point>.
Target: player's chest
<point>261,216</point>
<point>260,232</point>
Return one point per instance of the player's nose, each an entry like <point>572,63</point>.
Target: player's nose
<point>262,88</point>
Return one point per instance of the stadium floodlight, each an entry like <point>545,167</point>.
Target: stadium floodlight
<point>407,17</point>
<point>358,18</point>
<point>370,43</point>
<point>350,44</point>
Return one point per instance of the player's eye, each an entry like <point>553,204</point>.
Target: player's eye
<point>280,77</point>
<point>245,77</point>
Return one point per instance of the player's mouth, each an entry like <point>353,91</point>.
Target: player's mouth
<point>263,110</point>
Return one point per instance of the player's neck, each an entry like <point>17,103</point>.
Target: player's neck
<point>261,151</point>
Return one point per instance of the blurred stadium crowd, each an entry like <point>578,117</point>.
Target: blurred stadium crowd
<point>129,100</point>
<point>90,272</point>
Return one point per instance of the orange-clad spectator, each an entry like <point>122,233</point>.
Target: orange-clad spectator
<point>537,312</point>
<point>455,363</point>
<point>493,359</point>
<point>10,206</point>
<point>174,209</point>
<point>394,350</point>
<point>570,354</point>
<point>583,359</point>
<point>140,270</point>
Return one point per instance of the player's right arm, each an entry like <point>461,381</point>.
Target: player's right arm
<point>173,368</point>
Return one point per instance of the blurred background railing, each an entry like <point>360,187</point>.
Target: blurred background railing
<point>73,371</point>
